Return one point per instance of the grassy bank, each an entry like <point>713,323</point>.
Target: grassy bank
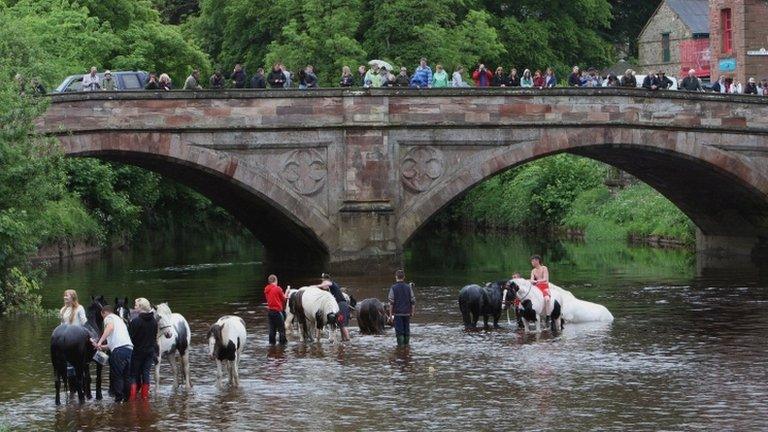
<point>566,192</point>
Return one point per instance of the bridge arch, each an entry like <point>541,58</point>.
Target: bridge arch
<point>725,195</point>
<point>286,226</point>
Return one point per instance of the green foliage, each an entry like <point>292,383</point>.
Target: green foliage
<point>329,34</point>
<point>19,293</point>
<point>637,211</point>
<point>66,220</point>
<point>534,196</point>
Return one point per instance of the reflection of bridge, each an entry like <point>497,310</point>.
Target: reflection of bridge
<point>353,174</point>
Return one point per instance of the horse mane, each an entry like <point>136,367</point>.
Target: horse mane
<point>163,310</point>
<point>216,331</point>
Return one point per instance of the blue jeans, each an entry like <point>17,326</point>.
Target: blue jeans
<point>402,325</point>
<point>119,372</point>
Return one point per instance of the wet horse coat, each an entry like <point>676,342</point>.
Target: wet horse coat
<point>312,307</point>
<point>476,301</point>
<point>371,316</point>
<point>173,336</point>
<point>226,341</point>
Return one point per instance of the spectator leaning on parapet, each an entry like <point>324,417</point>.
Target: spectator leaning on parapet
<point>628,79</point>
<point>651,82</point>
<point>238,76</point>
<point>482,76</point>
<point>422,77</point>
<point>751,87</point>
<point>550,80</point>
<point>499,78</point>
<point>152,83</point>
<point>259,81</point>
<point>108,83</point>
<point>372,77</point>
<point>440,77</point>
<point>664,82</point>
<point>91,80</point>
<point>402,79</point>
<point>691,82</point>
<point>217,81</point>
<point>457,79</point>
<point>165,82</point>
<point>347,79</point>
<point>276,78</point>
<point>527,80</point>
<point>574,79</point>
<point>193,81</point>
<point>513,80</point>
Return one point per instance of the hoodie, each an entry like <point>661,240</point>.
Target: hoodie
<point>143,332</point>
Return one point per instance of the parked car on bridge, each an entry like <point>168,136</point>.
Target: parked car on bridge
<point>126,81</point>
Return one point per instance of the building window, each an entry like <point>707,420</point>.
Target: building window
<point>725,26</point>
<point>665,55</point>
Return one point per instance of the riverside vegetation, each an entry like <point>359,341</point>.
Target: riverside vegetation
<point>46,198</point>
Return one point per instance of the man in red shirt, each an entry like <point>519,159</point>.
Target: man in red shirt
<point>275,306</point>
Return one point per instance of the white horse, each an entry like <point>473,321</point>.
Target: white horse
<point>580,311</point>
<point>312,307</point>
<point>226,341</point>
<point>173,336</point>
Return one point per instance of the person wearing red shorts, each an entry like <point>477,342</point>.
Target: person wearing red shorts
<point>540,278</point>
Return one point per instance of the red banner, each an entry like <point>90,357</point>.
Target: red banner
<point>695,54</point>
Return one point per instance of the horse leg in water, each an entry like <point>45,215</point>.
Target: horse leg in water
<point>496,318</point>
<point>98,381</point>
<point>185,369</point>
<point>79,381</point>
<point>174,372</point>
<point>236,368</point>
<point>218,373</point>
<point>485,322</point>
<point>157,371</point>
<point>87,381</point>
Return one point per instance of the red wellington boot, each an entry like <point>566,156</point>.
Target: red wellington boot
<point>145,391</point>
<point>132,394</point>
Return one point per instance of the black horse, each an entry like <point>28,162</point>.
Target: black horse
<point>123,309</point>
<point>72,344</point>
<point>475,301</point>
<point>371,316</point>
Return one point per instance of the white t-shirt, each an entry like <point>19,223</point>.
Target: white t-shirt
<point>66,316</point>
<point>119,336</point>
<point>91,82</point>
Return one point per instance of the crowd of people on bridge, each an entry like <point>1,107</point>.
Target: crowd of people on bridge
<point>380,74</point>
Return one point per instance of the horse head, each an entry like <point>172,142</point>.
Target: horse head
<point>164,320</point>
<point>508,293</point>
<point>95,322</point>
<point>215,341</point>
<point>122,309</point>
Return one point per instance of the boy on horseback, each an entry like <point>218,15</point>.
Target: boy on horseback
<point>540,278</point>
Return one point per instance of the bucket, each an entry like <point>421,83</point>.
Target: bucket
<point>101,358</point>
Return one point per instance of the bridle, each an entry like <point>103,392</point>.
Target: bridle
<point>526,294</point>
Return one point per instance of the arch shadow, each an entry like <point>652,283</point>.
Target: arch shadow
<point>288,228</point>
<point>721,192</point>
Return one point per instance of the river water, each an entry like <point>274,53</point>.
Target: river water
<point>686,352</point>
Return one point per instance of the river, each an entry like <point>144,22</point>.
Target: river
<point>686,352</point>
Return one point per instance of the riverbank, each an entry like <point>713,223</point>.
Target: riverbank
<point>566,194</point>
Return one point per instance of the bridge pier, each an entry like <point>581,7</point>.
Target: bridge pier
<point>367,240</point>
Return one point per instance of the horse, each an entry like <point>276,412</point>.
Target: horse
<point>226,341</point>
<point>173,336</point>
<point>534,306</point>
<point>312,307</point>
<point>487,301</point>
<point>580,311</point>
<point>371,316</point>
<point>122,309</point>
<point>72,344</point>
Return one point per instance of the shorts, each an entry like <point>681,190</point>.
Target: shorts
<point>543,287</point>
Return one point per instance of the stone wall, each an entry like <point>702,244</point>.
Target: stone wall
<point>649,43</point>
<point>353,174</point>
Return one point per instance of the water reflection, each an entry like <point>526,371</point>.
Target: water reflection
<point>683,354</point>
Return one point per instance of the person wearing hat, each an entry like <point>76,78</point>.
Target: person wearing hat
<point>143,333</point>
<point>108,83</point>
<point>664,82</point>
<point>691,82</point>
<point>751,87</point>
<point>331,286</point>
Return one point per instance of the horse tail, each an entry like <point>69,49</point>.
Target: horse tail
<point>319,319</point>
<point>297,309</point>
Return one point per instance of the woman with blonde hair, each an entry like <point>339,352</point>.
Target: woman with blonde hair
<point>143,333</point>
<point>72,312</point>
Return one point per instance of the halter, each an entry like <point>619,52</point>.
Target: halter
<point>526,294</point>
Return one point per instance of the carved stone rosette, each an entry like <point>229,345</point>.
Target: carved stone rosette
<point>305,170</point>
<point>421,167</point>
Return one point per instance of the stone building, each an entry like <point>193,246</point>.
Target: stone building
<point>676,39</point>
<point>739,38</point>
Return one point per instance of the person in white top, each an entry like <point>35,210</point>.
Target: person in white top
<point>456,79</point>
<point>119,343</point>
<point>91,81</point>
<point>72,312</point>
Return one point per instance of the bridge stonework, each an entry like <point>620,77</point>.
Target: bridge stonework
<point>351,175</point>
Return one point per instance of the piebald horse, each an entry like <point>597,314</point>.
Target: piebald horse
<point>534,306</point>
<point>173,336</point>
<point>226,341</point>
<point>312,307</point>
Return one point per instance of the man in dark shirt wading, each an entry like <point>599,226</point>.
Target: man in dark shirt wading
<point>401,307</point>
<point>335,289</point>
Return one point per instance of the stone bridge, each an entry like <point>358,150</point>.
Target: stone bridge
<point>351,175</point>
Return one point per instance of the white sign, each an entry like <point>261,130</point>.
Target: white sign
<point>760,52</point>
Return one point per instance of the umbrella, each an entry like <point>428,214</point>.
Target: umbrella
<point>381,64</point>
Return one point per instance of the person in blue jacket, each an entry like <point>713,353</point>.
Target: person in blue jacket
<point>422,77</point>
